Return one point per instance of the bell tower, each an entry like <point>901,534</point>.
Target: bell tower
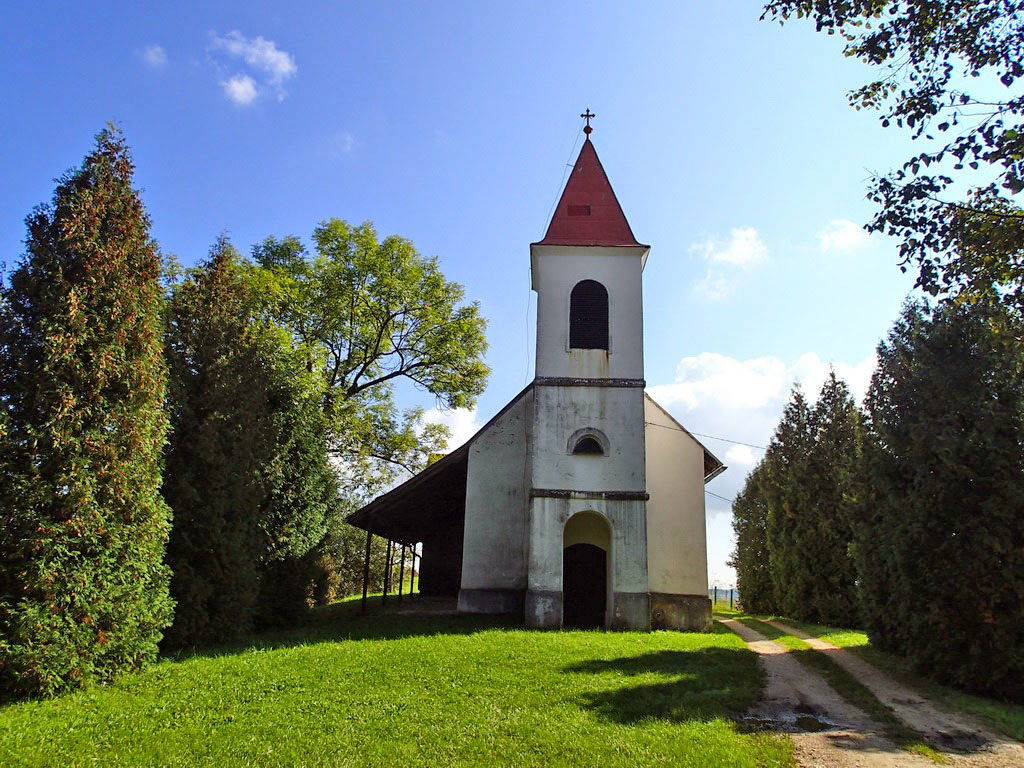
<point>587,463</point>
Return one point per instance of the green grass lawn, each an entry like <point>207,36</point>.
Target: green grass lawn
<point>403,691</point>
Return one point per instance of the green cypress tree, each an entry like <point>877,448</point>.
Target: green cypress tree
<point>750,558</point>
<point>303,494</point>
<point>247,472</point>
<point>221,438</point>
<point>837,429</point>
<point>83,585</point>
<point>940,542</point>
<point>790,522</point>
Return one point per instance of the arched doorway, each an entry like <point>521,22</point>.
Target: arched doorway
<point>585,565</point>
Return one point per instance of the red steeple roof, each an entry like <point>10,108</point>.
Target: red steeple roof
<point>588,213</point>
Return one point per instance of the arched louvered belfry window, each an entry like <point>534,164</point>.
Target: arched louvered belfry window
<point>588,316</point>
<point>588,445</point>
<point>588,441</point>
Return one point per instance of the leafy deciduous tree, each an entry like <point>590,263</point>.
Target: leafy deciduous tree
<point>379,313</point>
<point>372,313</point>
<point>951,74</point>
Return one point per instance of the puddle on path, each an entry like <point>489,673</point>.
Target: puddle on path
<point>802,719</point>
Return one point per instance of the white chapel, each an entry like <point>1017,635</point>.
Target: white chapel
<point>580,503</point>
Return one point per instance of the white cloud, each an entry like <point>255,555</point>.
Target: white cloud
<point>811,371</point>
<point>259,53</point>
<point>154,56</point>
<point>241,89</point>
<point>714,285</point>
<point>462,422</point>
<point>341,143</point>
<point>268,66</point>
<point>743,456</point>
<point>742,251</point>
<point>742,400</point>
<point>841,236</point>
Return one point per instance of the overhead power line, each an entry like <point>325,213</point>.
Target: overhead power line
<point>709,437</point>
<point>712,493</point>
<point>727,440</point>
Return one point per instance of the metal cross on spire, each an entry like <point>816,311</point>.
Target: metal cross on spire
<point>588,115</point>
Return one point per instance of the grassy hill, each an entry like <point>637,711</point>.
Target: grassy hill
<point>401,691</point>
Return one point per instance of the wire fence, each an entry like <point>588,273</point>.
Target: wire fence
<point>723,596</point>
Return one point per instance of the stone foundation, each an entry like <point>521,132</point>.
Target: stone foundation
<point>635,611</point>
<point>492,600</point>
<point>631,611</point>
<point>687,613</point>
<point>543,609</point>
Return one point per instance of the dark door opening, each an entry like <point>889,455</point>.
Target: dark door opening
<point>584,585</point>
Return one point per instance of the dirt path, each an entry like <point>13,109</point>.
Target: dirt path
<point>828,732</point>
<point>966,741</point>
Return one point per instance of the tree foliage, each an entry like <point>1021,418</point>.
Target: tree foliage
<point>247,470</point>
<point>950,73</point>
<point>837,432</point>
<point>751,558</point>
<point>793,518</point>
<point>83,586</point>
<point>378,313</point>
<point>790,526</point>
<point>372,314</point>
<point>940,541</point>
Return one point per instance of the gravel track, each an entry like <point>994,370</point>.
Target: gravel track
<point>829,732</point>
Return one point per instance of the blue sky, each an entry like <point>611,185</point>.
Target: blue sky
<point>728,140</point>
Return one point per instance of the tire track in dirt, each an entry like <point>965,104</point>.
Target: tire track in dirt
<point>827,731</point>
<point>964,740</point>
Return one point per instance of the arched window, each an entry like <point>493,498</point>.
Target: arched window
<point>588,444</point>
<point>588,316</point>
<point>588,441</point>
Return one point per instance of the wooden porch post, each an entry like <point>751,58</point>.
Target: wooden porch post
<point>401,575</point>
<point>366,568</point>
<point>412,570</point>
<point>387,575</point>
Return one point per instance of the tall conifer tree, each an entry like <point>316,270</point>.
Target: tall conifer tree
<point>83,585</point>
<point>790,524</point>
<point>247,471</point>
<point>837,429</point>
<point>750,558</point>
<point>940,540</point>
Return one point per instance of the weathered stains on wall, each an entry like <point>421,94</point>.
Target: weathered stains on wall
<point>562,411</point>
<point>677,547</point>
<point>556,269</point>
<point>589,363</point>
<point>627,557</point>
<point>587,528</point>
<point>496,502</point>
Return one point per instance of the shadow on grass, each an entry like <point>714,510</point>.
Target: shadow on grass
<point>702,685</point>
<point>345,621</point>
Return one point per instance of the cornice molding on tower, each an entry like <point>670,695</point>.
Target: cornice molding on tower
<point>570,381</point>
<point>565,493</point>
